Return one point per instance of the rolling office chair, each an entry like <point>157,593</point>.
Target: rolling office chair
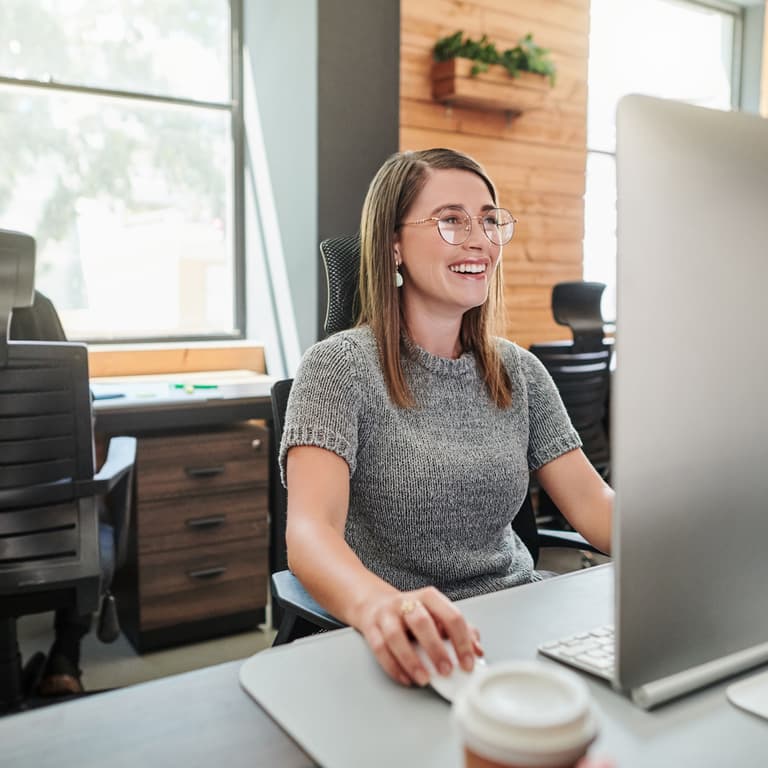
<point>580,369</point>
<point>300,614</point>
<point>54,552</point>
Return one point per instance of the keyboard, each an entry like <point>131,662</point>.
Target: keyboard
<point>591,651</point>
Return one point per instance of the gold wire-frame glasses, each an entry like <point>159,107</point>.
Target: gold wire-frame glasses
<point>454,224</point>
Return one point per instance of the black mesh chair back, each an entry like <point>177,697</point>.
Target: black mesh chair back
<point>341,258</point>
<point>53,551</point>
<point>581,368</point>
<point>49,523</point>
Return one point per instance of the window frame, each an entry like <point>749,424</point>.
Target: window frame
<point>737,43</point>
<point>234,105</point>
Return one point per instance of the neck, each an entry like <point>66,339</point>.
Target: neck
<point>438,336</point>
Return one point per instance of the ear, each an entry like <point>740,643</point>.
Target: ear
<point>396,249</point>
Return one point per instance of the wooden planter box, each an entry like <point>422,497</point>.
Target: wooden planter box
<point>452,84</point>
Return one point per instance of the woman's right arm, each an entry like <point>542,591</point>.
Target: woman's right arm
<point>318,500</point>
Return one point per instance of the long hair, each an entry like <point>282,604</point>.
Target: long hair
<point>390,195</point>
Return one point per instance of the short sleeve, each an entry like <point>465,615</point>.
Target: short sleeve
<point>551,433</point>
<point>324,403</point>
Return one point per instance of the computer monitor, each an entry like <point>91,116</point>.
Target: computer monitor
<point>689,402</point>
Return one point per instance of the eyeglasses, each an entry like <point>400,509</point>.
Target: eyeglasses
<point>454,224</point>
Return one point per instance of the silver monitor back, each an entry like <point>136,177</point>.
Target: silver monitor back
<point>689,409</point>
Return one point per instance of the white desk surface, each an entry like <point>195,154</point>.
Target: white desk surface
<point>329,695</point>
<point>162,390</point>
<point>328,689</point>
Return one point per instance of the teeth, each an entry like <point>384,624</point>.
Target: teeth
<point>474,268</point>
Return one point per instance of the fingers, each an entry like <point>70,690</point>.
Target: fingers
<point>424,629</point>
<point>427,616</point>
<point>393,628</point>
<point>464,638</point>
<point>385,658</point>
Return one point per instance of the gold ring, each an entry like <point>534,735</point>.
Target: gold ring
<point>408,606</point>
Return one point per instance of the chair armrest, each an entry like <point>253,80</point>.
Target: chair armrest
<point>550,537</point>
<point>121,456</point>
<point>114,480</point>
<point>291,596</point>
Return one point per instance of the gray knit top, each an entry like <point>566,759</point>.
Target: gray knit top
<point>434,488</point>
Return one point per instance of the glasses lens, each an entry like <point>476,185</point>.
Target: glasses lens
<point>454,225</point>
<point>499,226</point>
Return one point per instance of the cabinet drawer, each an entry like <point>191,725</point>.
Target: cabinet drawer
<point>202,520</point>
<point>202,463</point>
<point>200,583</point>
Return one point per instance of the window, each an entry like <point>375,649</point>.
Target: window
<point>677,49</point>
<point>118,122</point>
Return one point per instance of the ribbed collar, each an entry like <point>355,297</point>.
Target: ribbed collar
<point>445,366</point>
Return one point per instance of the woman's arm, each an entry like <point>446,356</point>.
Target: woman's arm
<point>581,495</point>
<point>318,500</point>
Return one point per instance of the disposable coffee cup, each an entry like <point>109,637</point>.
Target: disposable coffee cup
<point>524,714</point>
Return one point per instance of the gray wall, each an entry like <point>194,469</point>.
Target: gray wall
<point>325,90</point>
<point>358,109</point>
<point>751,63</point>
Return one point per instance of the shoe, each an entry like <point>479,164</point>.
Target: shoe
<point>60,677</point>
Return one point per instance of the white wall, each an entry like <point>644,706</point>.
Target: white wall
<point>280,63</point>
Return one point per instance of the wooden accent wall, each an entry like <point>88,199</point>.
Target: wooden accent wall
<point>537,160</point>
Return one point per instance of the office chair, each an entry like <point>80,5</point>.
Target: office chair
<point>54,550</point>
<point>300,613</point>
<point>580,369</point>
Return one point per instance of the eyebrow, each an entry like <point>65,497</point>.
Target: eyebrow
<point>486,207</point>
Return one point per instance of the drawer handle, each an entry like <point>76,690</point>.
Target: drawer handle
<point>214,521</point>
<point>207,573</point>
<point>256,444</point>
<point>198,472</point>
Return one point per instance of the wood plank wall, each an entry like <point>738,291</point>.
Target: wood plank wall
<point>537,160</point>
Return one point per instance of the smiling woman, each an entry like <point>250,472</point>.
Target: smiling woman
<point>409,439</point>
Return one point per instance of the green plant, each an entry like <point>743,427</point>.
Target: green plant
<point>526,56</point>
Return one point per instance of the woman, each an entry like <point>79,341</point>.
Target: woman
<point>409,439</point>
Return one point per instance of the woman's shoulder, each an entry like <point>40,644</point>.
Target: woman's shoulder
<point>517,359</point>
<point>510,352</point>
<point>350,347</point>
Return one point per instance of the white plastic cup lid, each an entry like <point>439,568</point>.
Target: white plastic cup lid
<point>526,713</point>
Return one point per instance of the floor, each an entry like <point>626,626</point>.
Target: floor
<point>117,665</point>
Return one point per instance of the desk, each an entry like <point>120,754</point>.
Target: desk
<point>199,547</point>
<point>204,718</point>
<point>148,404</point>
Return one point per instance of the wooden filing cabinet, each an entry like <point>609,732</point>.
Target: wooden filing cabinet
<point>198,556</point>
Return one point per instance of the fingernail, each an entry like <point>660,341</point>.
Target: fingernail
<point>467,661</point>
<point>421,677</point>
<point>445,668</point>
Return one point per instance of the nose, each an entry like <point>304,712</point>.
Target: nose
<point>477,238</point>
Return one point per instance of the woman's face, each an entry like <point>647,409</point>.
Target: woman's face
<point>441,279</point>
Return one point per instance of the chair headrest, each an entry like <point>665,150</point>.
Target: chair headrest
<point>17,271</point>
<point>341,258</point>
<point>17,280</point>
<point>577,305</point>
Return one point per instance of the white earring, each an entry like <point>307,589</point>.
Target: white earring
<point>398,278</point>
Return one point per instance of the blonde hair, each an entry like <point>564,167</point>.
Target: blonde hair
<point>390,195</point>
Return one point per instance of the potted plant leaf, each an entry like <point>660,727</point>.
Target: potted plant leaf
<point>474,73</point>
